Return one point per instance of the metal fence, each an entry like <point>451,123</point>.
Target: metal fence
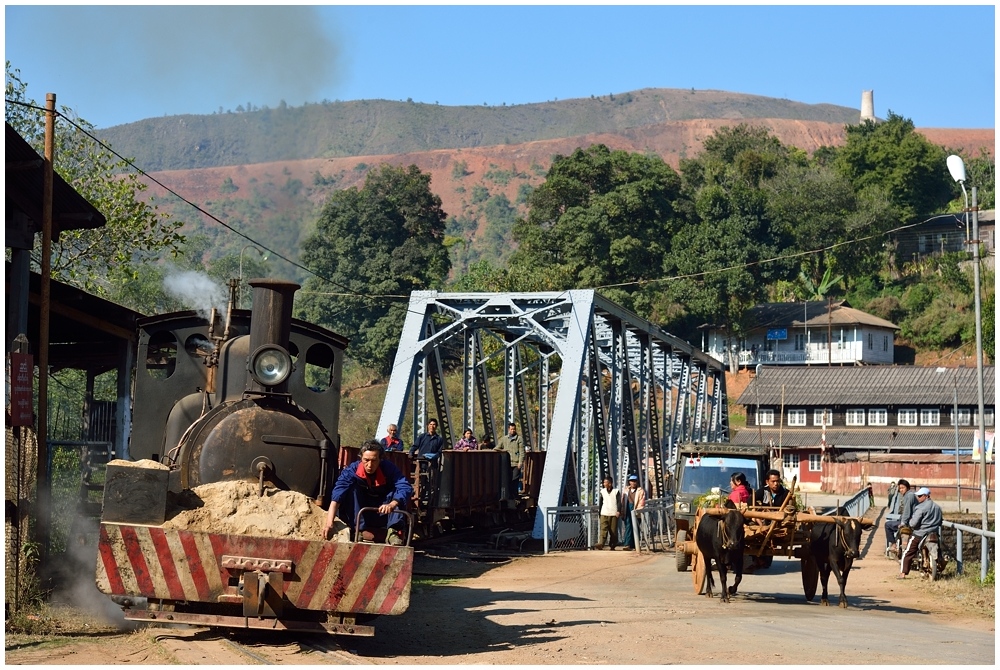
<point>654,525</point>
<point>572,527</point>
<point>857,505</point>
<point>984,534</point>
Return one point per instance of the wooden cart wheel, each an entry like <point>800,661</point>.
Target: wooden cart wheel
<point>699,567</point>
<point>683,558</point>
<point>810,576</point>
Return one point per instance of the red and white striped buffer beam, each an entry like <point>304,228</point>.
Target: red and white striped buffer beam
<point>167,564</point>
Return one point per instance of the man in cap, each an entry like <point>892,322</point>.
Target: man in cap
<point>635,498</point>
<point>925,520</point>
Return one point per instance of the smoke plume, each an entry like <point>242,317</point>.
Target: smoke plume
<point>195,291</point>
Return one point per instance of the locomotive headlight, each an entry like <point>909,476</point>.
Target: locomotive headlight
<point>270,365</point>
<point>683,508</point>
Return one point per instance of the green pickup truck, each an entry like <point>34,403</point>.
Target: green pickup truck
<point>699,468</point>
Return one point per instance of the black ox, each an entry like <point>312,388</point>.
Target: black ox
<point>721,539</point>
<point>834,546</point>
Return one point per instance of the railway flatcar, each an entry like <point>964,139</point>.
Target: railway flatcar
<point>251,399</point>
<point>462,489</point>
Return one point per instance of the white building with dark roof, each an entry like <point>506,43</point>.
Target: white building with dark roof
<point>806,333</point>
<point>812,414</point>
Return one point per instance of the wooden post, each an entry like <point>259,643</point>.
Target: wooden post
<point>44,497</point>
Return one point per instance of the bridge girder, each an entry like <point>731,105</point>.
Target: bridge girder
<point>625,392</point>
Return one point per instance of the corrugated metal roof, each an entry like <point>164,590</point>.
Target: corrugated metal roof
<point>23,181</point>
<point>863,438</point>
<point>814,313</point>
<point>867,386</point>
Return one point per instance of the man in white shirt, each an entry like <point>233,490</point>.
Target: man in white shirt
<point>611,505</point>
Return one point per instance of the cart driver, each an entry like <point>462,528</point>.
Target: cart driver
<point>773,494</point>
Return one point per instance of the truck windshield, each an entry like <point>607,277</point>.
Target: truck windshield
<point>701,474</point>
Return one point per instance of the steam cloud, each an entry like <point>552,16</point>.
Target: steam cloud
<point>214,55</point>
<point>196,291</point>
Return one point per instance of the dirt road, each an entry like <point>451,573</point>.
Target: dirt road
<point>583,608</point>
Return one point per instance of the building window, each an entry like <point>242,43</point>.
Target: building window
<point>855,417</point>
<point>823,417</point>
<point>930,417</point>
<point>765,417</point>
<point>963,418</point>
<point>800,341</point>
<point>815,463</point>
<point>871,340</point>
<point>790,461</point>
<point>987,414</point>
<point>878,417</point>
<point>906,417</point>
<point>796,417</point>
<point>885,343</point>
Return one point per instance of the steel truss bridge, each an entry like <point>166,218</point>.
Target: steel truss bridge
<point>601,390</point>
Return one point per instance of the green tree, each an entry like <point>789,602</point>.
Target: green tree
<point>103,261</point>
<point>725,258</point>
<point>601,217</point>
<point>893,156</point>
<point>385,239</point>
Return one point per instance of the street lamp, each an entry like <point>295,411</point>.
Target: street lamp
<point>957,169</point>
<point>263,257</point>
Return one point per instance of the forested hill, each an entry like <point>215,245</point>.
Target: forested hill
<point>385,127</point>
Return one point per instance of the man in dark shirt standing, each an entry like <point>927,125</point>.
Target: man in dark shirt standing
<point>429,444</point>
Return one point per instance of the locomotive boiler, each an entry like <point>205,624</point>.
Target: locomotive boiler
<point>253,399</point>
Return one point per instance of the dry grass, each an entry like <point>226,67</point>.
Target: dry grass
<point>964,592</point>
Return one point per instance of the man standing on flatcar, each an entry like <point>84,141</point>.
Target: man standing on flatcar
<point>370,482</point>
<point>429,444</point>
<point>513,445</point>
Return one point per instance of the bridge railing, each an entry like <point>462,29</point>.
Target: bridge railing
<point>984,534</point>
<point>654,525</point>
<point>858,504</point>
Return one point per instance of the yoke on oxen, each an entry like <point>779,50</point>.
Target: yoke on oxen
<point>785,531</point>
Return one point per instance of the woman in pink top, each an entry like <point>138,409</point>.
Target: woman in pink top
<point>741,489</point>
<point>468,442</point>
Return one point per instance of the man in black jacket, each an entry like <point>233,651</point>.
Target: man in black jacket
<point>429,444</point>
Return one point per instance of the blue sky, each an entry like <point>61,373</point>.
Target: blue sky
<point>116,64</point>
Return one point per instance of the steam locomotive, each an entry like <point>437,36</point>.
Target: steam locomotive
<point>255,398</point>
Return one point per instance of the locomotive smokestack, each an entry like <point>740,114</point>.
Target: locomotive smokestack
<point>271,322</point>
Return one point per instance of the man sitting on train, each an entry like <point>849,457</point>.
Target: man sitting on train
<point>370,482</point>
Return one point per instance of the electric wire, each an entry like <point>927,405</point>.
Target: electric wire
<point>350,293</point>
<point>202,211</point>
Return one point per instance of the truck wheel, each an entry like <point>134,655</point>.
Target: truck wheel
<point>683,558</point>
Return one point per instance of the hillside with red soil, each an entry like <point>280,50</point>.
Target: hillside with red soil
<point>520,164</point>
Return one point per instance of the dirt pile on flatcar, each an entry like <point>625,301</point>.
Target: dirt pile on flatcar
<point>235,508</point>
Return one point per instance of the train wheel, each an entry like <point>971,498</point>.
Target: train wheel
<point>810,577</point>
<point>682,557</point>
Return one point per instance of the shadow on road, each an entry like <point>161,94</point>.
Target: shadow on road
<point>450,620</point>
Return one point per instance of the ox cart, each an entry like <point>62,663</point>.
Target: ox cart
<point>768,532</point>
